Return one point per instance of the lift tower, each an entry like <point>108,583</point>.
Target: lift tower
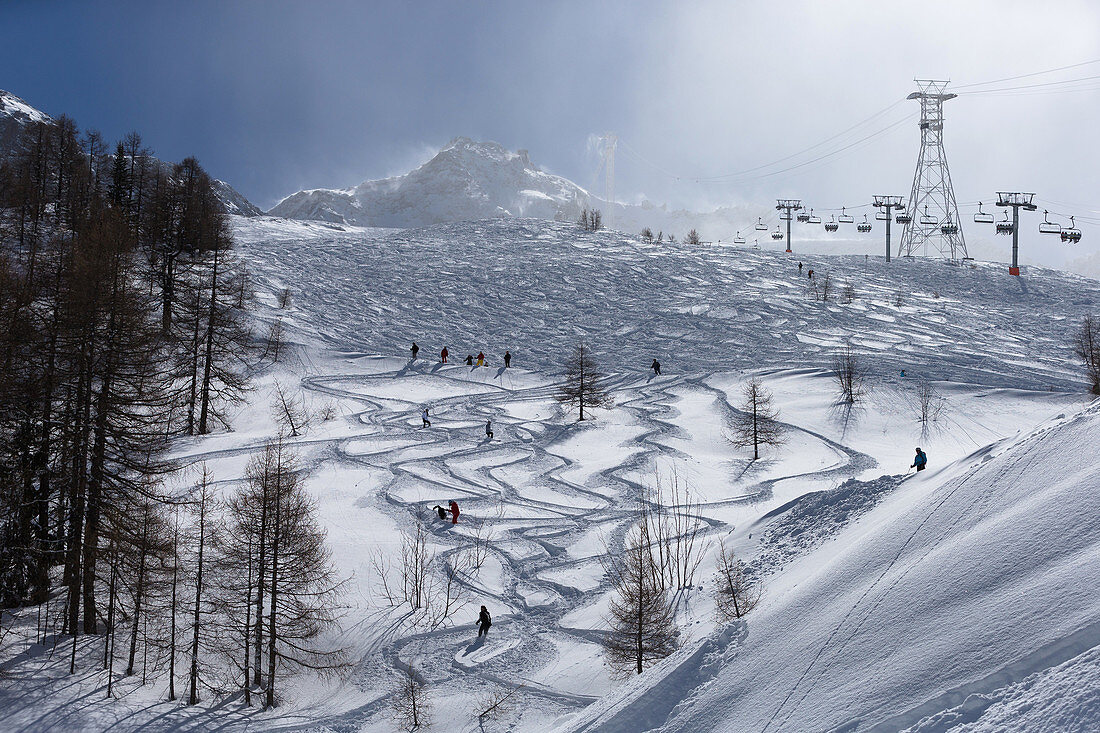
<point>787,206</point>
<point>933,213</point>
<point>888,204</point>
<point>1017,200</point>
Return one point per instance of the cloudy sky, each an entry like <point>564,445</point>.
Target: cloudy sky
<point>807,96</point>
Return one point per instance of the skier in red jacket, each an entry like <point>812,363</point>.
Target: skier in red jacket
<point>443,355</point>
<point>454,511</point>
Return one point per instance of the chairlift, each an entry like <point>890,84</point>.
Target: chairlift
<point>949,228</point>
<point>1071,234</point>
<point>983,218</point>
<point>864,226</point>
<point>832,225</point>
<point>814,219</point>
<point>785,215</point>
<point>903,218</point>
<point>844,217</point>
<point>1049,227</point>
<point>738,239</point>
<point>760,225</point>
<point>881,216</point>
<point>803,216</point>
<point>1005,226</point>
<point>777,234</point>
<point>927,219</point>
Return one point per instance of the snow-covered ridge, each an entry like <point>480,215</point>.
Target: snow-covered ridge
<point>464,180</point>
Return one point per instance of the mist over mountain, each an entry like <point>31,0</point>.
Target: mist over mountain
<point>469,180</point>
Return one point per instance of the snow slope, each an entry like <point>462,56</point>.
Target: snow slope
<point>967,579</point>
<point>960,597</point>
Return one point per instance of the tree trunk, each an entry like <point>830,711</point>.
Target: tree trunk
<point>204,412</point>
<point>194,697</point>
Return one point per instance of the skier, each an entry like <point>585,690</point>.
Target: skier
<point>810,274</point>
<point>800,269</point>
<point>424,417</point>
<point>441,512</point>
<point>415,350</point>
<point>920,461</point>
<point>656,367</point>
<point>484,622</point>
<point>489,429</point>
<point>454,511</point>
<point>443,355</point>
<point>469,359</point>
<point>903,372</point>
<point>507,359</point>
<point>481,358</point>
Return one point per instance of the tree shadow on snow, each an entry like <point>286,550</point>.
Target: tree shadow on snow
<point>846,415</point>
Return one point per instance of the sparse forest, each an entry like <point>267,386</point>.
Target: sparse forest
<point>124,316</point>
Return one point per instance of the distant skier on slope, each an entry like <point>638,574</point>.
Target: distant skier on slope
<point>415,350</point>
<point>443,355</point>
<point>920,461</point>
<point>507,359</point>
<point>489,429</point>
<point>454,511</point>
<point>441,512</point>
<point>484,622</point>
<point>481,358</point>
<point>469,359</point>
<point>427,423</point>
<point>656,367</point>
<point>800,269</point>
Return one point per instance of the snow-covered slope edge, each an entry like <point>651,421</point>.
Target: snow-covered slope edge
<point>964,581</point>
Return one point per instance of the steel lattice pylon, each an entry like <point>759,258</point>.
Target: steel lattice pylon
<point>933,213</point>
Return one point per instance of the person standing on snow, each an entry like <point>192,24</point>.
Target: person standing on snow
<point>489,429</point>
<point>469,359</point>
<point>656,367</point>
<point>481,358</point>
<point>800,269</point>
<point>415,350</point>
<point>454,511</point>
<point>507,359</point>
<point>484,622</point>
<point>443,355</point>
<point>920,461</point>
<point>427,422</point>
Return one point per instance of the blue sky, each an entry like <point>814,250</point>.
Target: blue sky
<point>278,96</point>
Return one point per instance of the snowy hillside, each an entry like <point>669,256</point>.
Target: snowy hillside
<point>962,596</point>
<point>468,180</point>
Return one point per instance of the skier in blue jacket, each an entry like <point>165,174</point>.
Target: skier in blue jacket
<point>920,461</point>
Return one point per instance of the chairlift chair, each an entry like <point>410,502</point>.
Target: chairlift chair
<point>1004,226</point>
<point>845,218</point>
<point>785,215</point>
<point>881,216</point>
<point>803,216</point>
<point>777,234</point>
<point>760,225</point>
<point>738,239</point>
<point>949,227</point>
<point>1071,234</point>
<point>864,226</point>
<point>927,219</point>
<point>903,218</point>
<point>1049,227</point>
<point>814,219</point>
<point>832,225</point>
<point>983,218</point>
